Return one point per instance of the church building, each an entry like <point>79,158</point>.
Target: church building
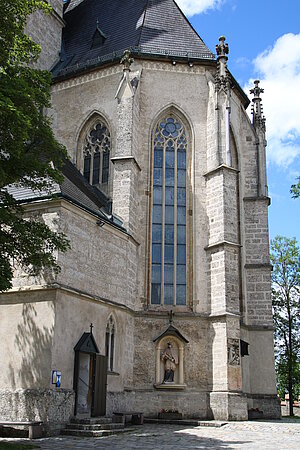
<point>163,301</point>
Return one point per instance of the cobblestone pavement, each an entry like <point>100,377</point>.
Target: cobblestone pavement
<point>267,435</point>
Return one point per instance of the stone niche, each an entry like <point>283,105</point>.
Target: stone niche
<point>169,357</point>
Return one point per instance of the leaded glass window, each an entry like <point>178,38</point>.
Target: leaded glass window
<point>96,154</point>
<point>168,265</point>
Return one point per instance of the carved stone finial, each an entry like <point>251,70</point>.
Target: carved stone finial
<point>259,120</point>
<point>222,49</point>
<point>256,90</point>
<point>222,78</point>
<point>126,60</point>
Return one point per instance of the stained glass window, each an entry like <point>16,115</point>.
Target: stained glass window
<point>168,264</point>
<point>96,154</point>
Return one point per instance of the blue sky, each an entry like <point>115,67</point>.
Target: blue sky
<point>264,43</point>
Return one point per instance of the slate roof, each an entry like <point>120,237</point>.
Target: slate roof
<point>155,28</point>
<point>73,188</point>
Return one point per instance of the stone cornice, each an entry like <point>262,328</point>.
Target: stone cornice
<point>93,75</point>
<point>257,327</point>
<point>169,67</point>
<point>259,266</point>
<point>219,169</point>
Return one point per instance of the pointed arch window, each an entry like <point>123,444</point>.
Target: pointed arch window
<point>96,154</point>
<point>169,205</point>
<point>110,343</point>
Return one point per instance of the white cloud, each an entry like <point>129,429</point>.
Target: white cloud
<point>279,71</point>
<point>192,7</point>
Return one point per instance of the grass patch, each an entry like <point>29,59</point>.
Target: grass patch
<point>12,446</point>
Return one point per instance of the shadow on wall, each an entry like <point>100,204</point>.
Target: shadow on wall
<point>30,377</point>
<point>34,342</point>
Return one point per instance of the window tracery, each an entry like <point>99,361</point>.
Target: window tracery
<point>169,205</point>
<point>96,154</point>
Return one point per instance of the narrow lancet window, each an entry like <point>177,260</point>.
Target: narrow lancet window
<point>168,266</point>
<point>96,154</point>
<point>110,344</point>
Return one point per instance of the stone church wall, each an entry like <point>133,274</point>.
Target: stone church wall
<point>99,254</point>
<point>28,327</point>
<point>107,270</point>
<point>45,30</point>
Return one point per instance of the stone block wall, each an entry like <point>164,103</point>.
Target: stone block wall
<point>100,253</point>
<point>45,30</point>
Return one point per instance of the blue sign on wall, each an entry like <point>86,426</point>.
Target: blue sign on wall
<point>56,377</point>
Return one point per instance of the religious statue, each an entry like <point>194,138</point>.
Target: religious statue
<point>171,361</point>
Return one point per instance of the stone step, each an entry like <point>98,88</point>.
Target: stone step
<point>91,420</point>
<point>89,433</point>
<point>189,422</point>
<point>94,427</point>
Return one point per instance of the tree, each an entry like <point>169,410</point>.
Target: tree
<point>29,154</point>
<point>285,257</point>
<point>295,189</point>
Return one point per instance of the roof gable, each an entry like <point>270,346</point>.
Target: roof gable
<point>86,344</point>
<point>171,331</point>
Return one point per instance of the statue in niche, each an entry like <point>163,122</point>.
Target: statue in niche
<point>170,359</point>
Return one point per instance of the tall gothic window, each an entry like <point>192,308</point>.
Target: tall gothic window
<point>96,154</point>
<point>110,343</point>
<point>168,265</point>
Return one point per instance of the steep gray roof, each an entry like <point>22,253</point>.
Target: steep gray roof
<point>73,188</point>
<point>155,28</point>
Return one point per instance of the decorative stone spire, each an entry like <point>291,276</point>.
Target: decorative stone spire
<point>126,60</point>
<point>222,50</point>
<point>223,102</point>
<point>222,78</point>
<point>259,120</point>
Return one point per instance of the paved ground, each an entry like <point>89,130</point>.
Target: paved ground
<point>267,435</point>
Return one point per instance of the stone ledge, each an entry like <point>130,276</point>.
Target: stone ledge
<point>222,243</point>
<point>170,387</point>
<point>188,422</point>
<point>258,266</point>
<point>258,199</point>
<point>219,168</point>
<point>126,158</point>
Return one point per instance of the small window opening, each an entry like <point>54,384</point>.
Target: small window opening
<point>110,344</point>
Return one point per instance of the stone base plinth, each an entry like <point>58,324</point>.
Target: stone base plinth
<point>52,407</point>
<point>191,404</point>
<point>228,406</point>
<point>269,405</point>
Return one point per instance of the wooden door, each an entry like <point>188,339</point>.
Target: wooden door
<point>99,386</point>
